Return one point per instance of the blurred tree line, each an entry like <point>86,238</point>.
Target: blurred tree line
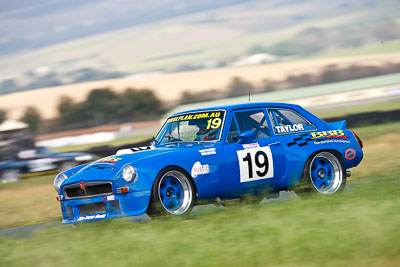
<point>104,106</point>
<point>330,74</point>
<point>3,115</point>
<point>31,117</point>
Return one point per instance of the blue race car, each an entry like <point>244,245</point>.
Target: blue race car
<point>226,152</point>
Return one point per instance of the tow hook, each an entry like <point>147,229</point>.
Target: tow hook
<point>348,173</point>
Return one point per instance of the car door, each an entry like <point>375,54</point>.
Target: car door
<point>257,162</point>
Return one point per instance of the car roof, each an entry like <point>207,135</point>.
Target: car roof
<point>241,106</point>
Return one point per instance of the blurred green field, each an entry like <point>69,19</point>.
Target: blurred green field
<point>359,227</point>
<point>382,106</point>
<point>386,47</point>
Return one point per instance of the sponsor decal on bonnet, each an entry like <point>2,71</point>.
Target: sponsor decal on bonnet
<point>108,160</point>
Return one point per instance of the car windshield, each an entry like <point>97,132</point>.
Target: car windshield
<point>205,126</point>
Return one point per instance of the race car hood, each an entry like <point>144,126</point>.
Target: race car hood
<point>106,168</point>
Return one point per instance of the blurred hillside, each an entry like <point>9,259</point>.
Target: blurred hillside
<point>33,24</point>
<point>202,85</point>
<point>57,42</point>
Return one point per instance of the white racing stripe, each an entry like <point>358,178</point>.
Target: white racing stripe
<point>133,150</point>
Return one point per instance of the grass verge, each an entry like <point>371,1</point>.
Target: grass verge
<point>380,106</point>
<point>357,228</point>
<point>28,201</point>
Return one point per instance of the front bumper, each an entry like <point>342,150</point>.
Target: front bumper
<point>105,207</point>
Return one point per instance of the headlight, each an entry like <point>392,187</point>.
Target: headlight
<point>128,173</point>
<point>60,178</point>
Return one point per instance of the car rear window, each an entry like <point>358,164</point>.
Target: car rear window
<point>287,121</point>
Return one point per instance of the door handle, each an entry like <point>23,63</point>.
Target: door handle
<point>274,144</point>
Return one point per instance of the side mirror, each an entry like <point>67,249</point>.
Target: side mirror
<point>249,135</point>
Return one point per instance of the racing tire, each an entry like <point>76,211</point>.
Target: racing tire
<point>173,193</point>
<point>323,174</point>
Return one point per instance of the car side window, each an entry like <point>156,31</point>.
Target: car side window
<point>233,134</point>
<point>253,120</point>
<point>285,121</point>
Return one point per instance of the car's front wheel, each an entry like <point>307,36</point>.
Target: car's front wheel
<point>173,193</point>
<point>323,173</point>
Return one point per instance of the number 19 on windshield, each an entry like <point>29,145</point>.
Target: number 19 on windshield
<point>214,123</point>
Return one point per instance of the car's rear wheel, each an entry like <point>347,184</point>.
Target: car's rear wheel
<point>173,193</point>
<point>324,173</point>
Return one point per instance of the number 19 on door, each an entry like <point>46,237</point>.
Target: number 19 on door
<point>255,164</point>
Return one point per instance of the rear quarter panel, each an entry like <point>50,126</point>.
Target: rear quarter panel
<point>300,146</point>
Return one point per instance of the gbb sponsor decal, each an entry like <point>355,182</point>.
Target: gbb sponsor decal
<point>91,217</point>
<point>344,137</point>
<point>350,154</point>
<point>326,134</point>
<point>289,128</point>
<point>198,169</point>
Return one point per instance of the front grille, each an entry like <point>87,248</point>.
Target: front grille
<point>90,189</point>
<point>93,208</point>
